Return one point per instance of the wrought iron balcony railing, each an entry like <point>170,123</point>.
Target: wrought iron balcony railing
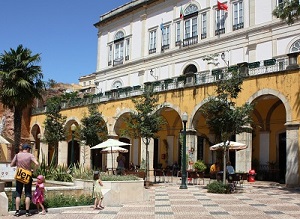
<point>183,81</point>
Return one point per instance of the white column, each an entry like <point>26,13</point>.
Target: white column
<point>243,157</point>
<point>43,152</point>
<point>292,154</point>
<point>191,142</point>
<point>62,153</point>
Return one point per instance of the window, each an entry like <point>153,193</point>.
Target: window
<point>127,50</point>
<point>165,37</point>
<point>295,47</point>
<point>152,42</point>
<point>117,84</point>
<point>109,54</point>
<point>118,48</point>
<point>119,51</point>
<point>238,15</point>
<point>203,25</point>
<point>220,22</point>
<point>178,39</point>
<point>190,25</point>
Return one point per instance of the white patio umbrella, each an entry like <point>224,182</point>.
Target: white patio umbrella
<point>114,149</point>
<point>109,144</point>
<point>230,145</point>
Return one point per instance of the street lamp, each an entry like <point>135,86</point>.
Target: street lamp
<point>183,155</point>
<point>223,58</point>
<point>73,127</point>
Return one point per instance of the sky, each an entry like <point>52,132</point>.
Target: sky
<point>61,31</point>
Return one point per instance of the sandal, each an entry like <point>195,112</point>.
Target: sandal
<point>43,212</point>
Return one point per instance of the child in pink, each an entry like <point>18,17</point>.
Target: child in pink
<point>38,195</point>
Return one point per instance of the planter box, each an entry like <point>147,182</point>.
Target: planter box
<point>118,192</point>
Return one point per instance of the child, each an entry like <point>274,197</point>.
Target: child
<point>38,195</point>
<point>97,191</point>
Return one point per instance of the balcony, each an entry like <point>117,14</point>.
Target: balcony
<point>151,51</point>
<point>118,61</point>
<point>183,81</point>
<point>219,31</point>
<point>238,26</point>
<point>165,47</point>
<point>190,41</point>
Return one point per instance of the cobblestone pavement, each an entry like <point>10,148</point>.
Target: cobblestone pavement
<point>167,201</point>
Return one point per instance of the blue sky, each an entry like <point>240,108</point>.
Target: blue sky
<point>61,31</point>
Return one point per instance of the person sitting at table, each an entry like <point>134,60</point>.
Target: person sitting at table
<point>230,169</point>
<point>214,168</point>
<point>131,166</point>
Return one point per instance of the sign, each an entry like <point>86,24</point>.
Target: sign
<point>7,172</point>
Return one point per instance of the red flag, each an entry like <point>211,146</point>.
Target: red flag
<point>181,13</point>
<point>222,6</point>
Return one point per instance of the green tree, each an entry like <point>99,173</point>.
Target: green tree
<point>223,117</point>
<point>146,121</point>
<point>21,82</point>
<point>54,124</point>
<point>288,10</point>
<point>93,129</point>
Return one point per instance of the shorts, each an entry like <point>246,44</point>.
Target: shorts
<point>28,189</point>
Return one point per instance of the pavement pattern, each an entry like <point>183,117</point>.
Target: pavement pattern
<point>167,201</point>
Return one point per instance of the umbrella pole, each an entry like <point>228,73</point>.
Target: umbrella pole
<point>112,161</point>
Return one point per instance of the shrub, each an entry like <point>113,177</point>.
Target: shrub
<point>218,187</point>
<point>81,172</point>
<point>200,166</point>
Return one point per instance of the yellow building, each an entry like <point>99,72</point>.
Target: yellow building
<point>148,41</point>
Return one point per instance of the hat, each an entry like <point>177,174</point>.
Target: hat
<point>41,177</point>
<point>26,146</point>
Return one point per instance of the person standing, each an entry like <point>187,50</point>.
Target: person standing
<point>98,195</point>
<point>24,159</point>
<point>121,164</point>
<point>38,195</point>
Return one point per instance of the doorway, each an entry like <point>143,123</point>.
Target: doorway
<point>282,157</point>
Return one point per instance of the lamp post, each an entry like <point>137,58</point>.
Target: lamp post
<point>223,58</point>
<point>73,127</point>
<point>183,156</point>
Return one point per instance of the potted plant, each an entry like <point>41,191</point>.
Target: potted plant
<point>199,166</point>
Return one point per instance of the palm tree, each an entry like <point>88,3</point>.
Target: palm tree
<point>20,83</point>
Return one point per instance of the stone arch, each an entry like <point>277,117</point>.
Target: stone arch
<point>277,94</point>
<point>120,34</point>
<point>191,8</point>
<point>117,83</point>
<point>190,67</point>
<point>195,110</point>
<point>295,40</point>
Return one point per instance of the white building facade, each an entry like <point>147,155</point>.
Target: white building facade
<point>148,40</point>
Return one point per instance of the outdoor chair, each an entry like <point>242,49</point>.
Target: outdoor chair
<point>160,174</point>
<point>212,176</point>
<point>169,176</point>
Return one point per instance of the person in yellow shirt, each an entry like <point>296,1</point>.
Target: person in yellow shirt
<point>214,168</point>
